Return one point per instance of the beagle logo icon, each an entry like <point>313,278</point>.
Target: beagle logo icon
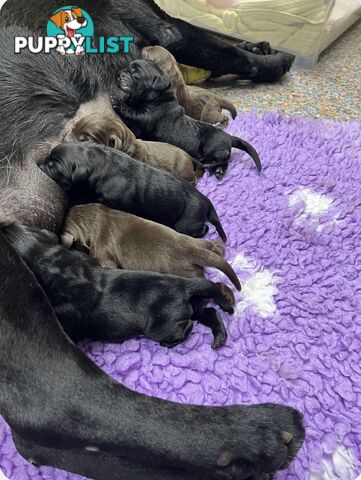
<point>70,31</point>
<point>70,26</point>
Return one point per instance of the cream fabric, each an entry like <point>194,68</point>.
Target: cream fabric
<point>295,25</point>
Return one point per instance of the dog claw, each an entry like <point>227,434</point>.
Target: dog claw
<point>287,437</point>
<point>219,342</point>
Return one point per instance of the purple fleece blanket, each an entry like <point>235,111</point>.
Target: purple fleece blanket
<point>295,241</point>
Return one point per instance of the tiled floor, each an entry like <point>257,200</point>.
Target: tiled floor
<point>331,90</point>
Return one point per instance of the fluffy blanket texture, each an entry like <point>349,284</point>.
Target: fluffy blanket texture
<point>295,241</point>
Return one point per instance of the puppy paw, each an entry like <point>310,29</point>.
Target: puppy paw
<point>217,247</point>
<point>227,300</point>
<point>220,339</point>
<point>210,318</point>
<point>223,122</point>
<point>219,172</point>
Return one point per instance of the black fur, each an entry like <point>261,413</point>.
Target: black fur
<point>72,405</point>
<point>114,305</point>
<point>150,108</point>
<point>116,180</point>
<point>151,26</point>
<point>54,399</point>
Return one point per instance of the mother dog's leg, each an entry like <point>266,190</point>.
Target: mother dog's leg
<point>99,466</point>
<point>22,383</point>
<point>194,46</point>
<point>221,57</point>
<point>151,26</point>
<point>55,397</point>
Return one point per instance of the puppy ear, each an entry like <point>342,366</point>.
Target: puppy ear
<point>58,19</point>
<point>79,174</point>
<point>246,147</point>
<point>78,12</point>
<point>67,240</point>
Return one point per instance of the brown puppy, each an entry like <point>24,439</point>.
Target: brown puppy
<point>208,107</point>
<point>198,103</point>
<point>121,240</point>
<point>111,131</point>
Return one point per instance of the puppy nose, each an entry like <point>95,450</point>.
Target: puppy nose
<point>81,20</point>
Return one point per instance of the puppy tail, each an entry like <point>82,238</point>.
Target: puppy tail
<point>214,220</point>
<point>247,147</point>
<point>206,258</point>
<point>227,105</point>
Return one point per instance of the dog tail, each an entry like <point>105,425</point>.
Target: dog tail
<point>214,220</point>
<point>207,258</point>
<point>247,147</point>
<point>227,105</point>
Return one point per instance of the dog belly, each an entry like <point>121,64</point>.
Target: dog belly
<point>27,195</point>
<point>33,199</point>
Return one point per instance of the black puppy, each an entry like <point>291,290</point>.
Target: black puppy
<point>116,180</point>
<point>148,104</point>
<point>114,304</point>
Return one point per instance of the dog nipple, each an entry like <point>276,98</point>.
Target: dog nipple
<point>92,449</point>
<point>225,459</point>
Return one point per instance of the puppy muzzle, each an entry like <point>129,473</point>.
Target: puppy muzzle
<point>125,82</point>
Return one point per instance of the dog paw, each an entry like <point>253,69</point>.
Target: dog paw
<point>219,172</point>
<point>270,68</point>
<point>260,48</point>
<point>223,122</point>
<point>218,248</point>
<point>220,339</point>
<point>276,434</point>
<point>167,35</point>
<point>228,298</point>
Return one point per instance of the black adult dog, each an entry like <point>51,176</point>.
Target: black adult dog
<point>116,180</point>
<point>61,408</point>
<point>148,104</point>
<point>113,305</point>
<point>151,26</point>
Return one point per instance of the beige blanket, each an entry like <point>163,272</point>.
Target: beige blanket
<point>294,25</point>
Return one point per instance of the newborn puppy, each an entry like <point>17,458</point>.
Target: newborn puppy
<point>118,181</point>
<point>198,103</point>
<point>150,108</point>
<point>207,107</point>
<point>120,240</point>
<point>111,131</point>
<point>114,305</point>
